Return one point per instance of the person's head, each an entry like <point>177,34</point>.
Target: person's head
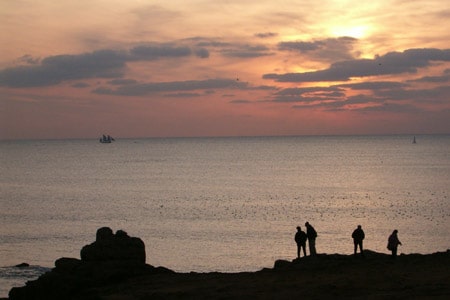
<point>359,226</point>
<point>307,224</point>
<point>395,231</point>
<point>298,228</point>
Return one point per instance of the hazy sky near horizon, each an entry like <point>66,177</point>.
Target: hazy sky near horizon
<point>138,68</point>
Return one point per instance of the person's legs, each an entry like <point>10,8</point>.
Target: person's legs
<point>312,247</point>
<point>361,248</point>
<point>394,252</point>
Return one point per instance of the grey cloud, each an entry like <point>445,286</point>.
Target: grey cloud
<point>362,99</point>
<point>336,104</point>
<point>385,96</point>
<point>247,51</point>
<point>375,85</point>
<point>55,69</point>
<point>122,81</point>
<point>433,79</point>
<point>322,75</point>
<point>240,101</point>
<point>309,94</point>
<point>148,88</point>
<point>155,52</point>
<point>297,98</point>
<point>438,94</point>
<point>298,46</point>
<point>330,49</point>
<point>264,35</point>
<point>214,44</point>
<point>391,107</point>
<point>263,88</point>
<point>183,95</point>
<point>28,59</point>
<point>374,105</point>
<point>301,91</point>
<point>98,64</point>
<point>227,49</point>
<point>391,63</point>
<point>202,53</point>
<point>80,85</point>
<point>357,99</point>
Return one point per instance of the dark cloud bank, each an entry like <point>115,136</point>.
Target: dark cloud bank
<point>111,64</point>
<point>98,64</point>
<point>408,61</point>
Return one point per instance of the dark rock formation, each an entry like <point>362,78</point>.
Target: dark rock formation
<point>108,246</point>
<point>112,258</point>
<point>22,265</point>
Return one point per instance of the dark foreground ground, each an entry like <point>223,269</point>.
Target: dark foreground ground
<point>376,276</point>
<point>327,276</point>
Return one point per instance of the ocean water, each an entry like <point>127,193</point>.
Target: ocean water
<point>220,204</point>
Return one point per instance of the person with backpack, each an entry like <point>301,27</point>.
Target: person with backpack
<point>393,243</point>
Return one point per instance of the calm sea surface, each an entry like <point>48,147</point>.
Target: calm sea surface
<point>220,204</point>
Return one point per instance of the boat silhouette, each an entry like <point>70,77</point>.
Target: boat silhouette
<point>106,139</point>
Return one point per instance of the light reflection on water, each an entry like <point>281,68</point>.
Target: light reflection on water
<point>223,204</point>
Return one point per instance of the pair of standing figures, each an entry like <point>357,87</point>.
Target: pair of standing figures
<point>301,237</point>
<point>358,236</point>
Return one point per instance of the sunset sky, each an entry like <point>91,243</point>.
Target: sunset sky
<point>81,68</point>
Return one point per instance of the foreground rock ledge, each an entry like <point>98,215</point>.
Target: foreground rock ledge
<point>113,267</point>
<point>111,259</point>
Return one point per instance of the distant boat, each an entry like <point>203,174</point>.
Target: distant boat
<point>106,139</point>
<point>414,140</point>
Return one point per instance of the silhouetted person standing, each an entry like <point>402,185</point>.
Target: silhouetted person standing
<point>358,237</point>
<point>300,239</point>
<point>393,243</point>
<point>312,235</point>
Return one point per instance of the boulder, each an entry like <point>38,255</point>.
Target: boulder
<point>113,247</point>
<point>112,258</point>
<point>104,233</point>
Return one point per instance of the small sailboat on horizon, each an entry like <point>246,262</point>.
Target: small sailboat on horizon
<point>414,140</point>
<point>106,139</point>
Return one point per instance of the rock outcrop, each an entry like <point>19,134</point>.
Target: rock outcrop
<point>112,258</point>
<point>114,247</point>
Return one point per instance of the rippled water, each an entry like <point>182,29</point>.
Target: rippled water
<point>222,204</point>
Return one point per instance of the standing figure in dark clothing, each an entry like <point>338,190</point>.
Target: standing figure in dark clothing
<point>393,243</point>
<point>300,239</point>
<point>312,235</point>
<point>358,237</point>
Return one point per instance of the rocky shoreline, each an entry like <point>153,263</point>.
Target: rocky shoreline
<point>113,267</point>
